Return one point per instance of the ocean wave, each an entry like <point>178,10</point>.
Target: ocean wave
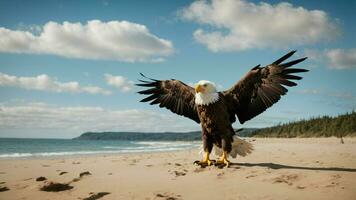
<point>160,146</point>
<point>72,153</point>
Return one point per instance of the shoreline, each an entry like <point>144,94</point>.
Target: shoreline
<point>197,144</point>
<point>293,168</point>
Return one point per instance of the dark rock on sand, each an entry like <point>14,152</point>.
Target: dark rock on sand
<point>55,187</point>
<point>3,189</point>
<point>41,178</point>
<point>62,173</point>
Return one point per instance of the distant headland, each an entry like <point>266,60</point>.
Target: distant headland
<point>325,126</point>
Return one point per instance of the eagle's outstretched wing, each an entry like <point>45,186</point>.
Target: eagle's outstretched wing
<point>172,94</point>
<point>260,88</point>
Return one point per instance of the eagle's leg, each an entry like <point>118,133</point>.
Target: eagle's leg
<point>207,146</point>
<point>226,146</point>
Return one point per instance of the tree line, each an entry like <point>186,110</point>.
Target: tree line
<point>325,126</point>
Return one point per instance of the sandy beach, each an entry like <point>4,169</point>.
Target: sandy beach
<point>313,168</point>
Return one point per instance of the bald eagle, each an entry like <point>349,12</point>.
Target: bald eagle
<point>216,111</point>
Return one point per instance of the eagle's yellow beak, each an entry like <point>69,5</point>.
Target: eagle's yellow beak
<point>199,88</point>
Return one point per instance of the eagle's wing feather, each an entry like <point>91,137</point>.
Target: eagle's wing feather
<point>173,94</point>
<point>260,88</point>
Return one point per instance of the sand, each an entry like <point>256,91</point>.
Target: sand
<point>277,169</point>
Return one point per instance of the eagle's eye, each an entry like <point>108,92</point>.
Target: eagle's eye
<point>205,85</point>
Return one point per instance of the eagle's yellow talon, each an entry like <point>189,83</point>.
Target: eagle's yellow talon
<point>223,160</point>
<point>206,161</point>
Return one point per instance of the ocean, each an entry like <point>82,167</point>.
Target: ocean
<point>29,148</point>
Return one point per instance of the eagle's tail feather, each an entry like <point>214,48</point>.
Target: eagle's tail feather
<point>240,147</point>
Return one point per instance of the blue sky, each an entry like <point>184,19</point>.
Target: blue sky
<point>67,67</point>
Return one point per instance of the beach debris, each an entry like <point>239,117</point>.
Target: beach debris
<point>3,189</point>
<point>84,174</point>
<point>55,187</point>
<point>62,173</point>
<point>75,163</point>
<point>96,196</point>
<point>2,182</point>
<point>177,164</point>
<point>41,178</point>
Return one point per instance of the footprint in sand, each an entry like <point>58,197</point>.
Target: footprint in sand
<point>168,196</point>
<point>220,175</point>
<point>288,179</point>
<point>334,180</point>
<point>251,176</point>
<point>20,186</point>
<point>198,170</point>
<point>96,196</point>
<point>63,173</point>
<point>178,173</point>
<point>81,175</point>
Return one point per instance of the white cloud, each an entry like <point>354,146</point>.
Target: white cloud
<point>342,59</point>
<point>44,82</point>
<point>72,121</point>
<point>240,25</point>
<point>113,40</point>
<point>334,58</point>
<point>119,82</point>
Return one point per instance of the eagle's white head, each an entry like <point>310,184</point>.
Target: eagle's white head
<point>205,93</point>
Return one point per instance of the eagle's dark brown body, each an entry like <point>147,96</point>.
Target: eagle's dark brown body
<point>258,90</point>
<point>215,124</point>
